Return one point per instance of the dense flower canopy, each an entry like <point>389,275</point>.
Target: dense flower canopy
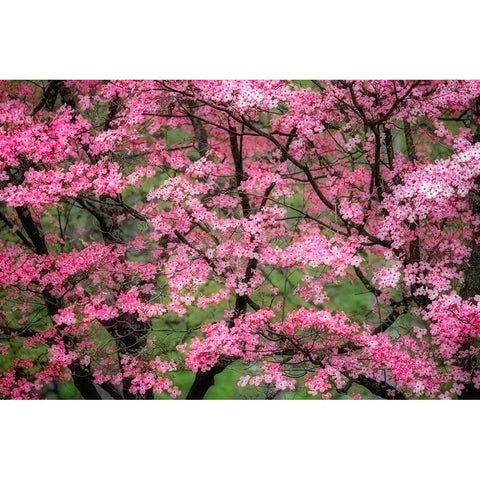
<point>158,234</point>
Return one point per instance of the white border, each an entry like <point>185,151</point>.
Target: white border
<point>239,440</point>
<point>239,39</point>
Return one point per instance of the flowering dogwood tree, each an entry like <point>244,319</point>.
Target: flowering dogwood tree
<point>151,228</point>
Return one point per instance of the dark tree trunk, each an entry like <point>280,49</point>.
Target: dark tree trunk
<point>82,379</point>
<point>204,380</point>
